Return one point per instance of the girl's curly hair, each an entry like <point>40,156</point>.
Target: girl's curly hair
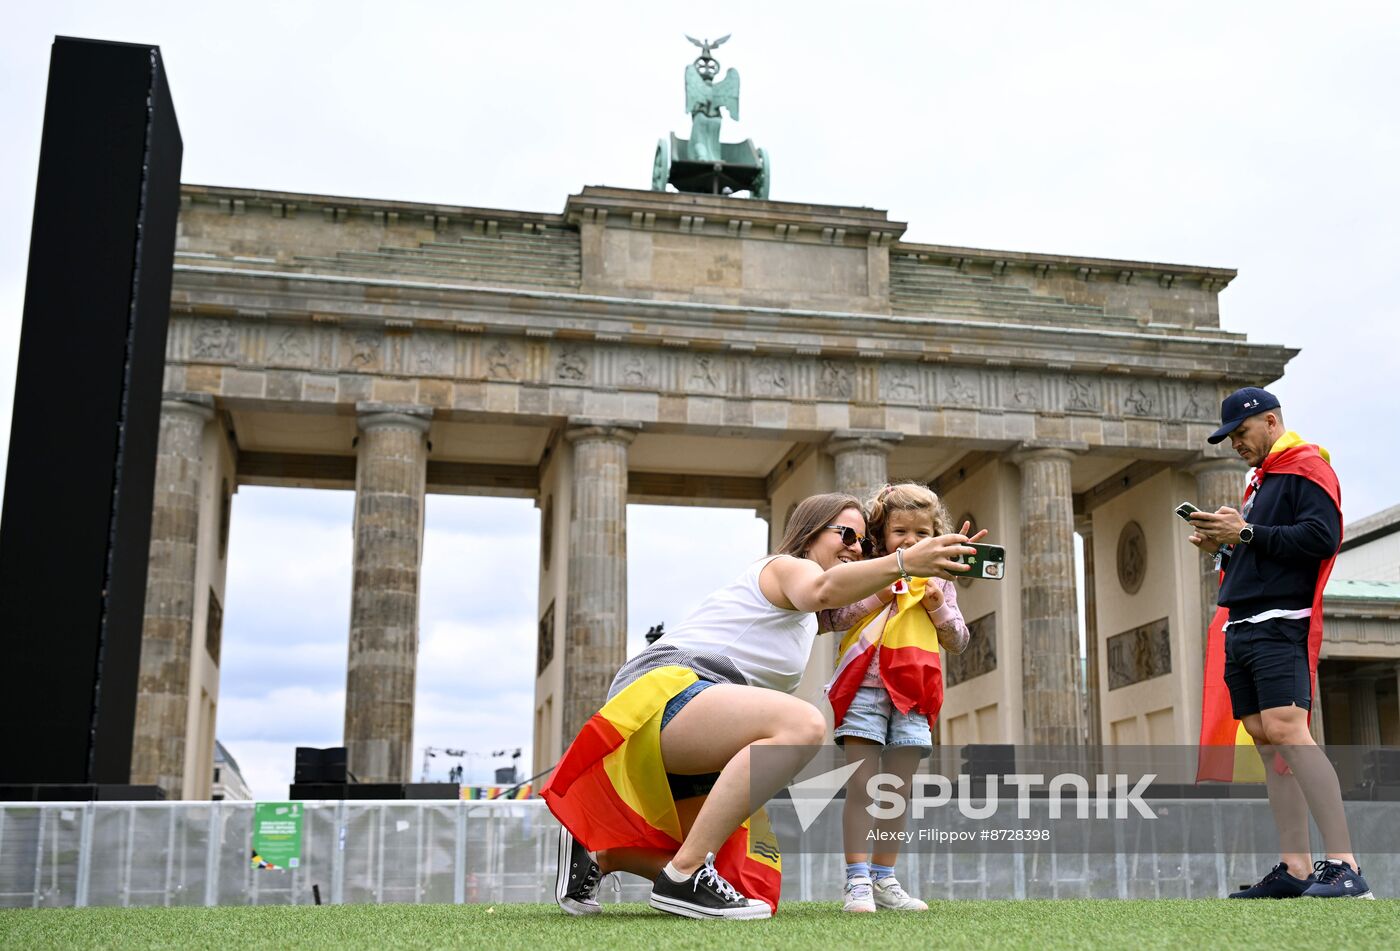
<point>903,497</point>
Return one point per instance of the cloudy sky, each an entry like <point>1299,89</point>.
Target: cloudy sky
<point>1262,137</point>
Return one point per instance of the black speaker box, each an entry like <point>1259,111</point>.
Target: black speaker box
<point>433,791</point>
<point>320,765</point>
<point>75,530</point>
<point>80,792</point>
<point>317,791</point>
<point>374,791</point>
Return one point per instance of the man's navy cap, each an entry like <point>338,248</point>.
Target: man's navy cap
<point>1239,406</point>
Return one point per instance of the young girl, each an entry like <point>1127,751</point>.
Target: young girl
<point>888,685</point>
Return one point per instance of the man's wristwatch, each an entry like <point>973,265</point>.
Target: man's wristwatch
<point>1247,534</point>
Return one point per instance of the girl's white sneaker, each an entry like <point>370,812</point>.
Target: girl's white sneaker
<point>858,895</point>
<point>890,895</point>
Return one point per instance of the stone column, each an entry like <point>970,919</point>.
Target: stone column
<point>1396,676</point>
<point>1317,724</point>
<point>167,629</point>
<point>1093,727</point>
<point>390,473</point>
<point>595,620</point>
<point>1218,482</point>
<point>1052,715</point>
<point>1365,714</point>
<point>862,461</point>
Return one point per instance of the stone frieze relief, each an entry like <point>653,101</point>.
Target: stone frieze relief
<point>434,353</point>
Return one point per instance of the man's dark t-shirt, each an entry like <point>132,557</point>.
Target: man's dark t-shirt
<point>1296,528</point>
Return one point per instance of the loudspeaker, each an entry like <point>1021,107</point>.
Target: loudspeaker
<point>75,531</point>
<point>317,791</point>
<point>432,791</point>
<point>357,791</point>
<point>80,792</point>
<point>319,765</point>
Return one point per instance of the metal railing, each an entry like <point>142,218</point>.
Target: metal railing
<point>197,853</point>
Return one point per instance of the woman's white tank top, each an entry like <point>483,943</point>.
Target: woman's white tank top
<point>768,645</point>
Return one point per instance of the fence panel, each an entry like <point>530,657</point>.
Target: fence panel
<point>197,853</point>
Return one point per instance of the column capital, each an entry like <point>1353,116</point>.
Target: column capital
<point>586,429</point>
<point>843,441</point>
<point>200,405</point>
<point>1035,452</point>
<point>371,415</point>
<point>1207,464</point>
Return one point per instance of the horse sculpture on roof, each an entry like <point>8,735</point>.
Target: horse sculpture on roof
<point>703,164</point>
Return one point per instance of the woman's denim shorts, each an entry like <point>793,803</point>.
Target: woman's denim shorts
<point>685,787</point>
<point>681,699</point>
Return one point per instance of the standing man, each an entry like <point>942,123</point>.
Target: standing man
<point>1276,553</point>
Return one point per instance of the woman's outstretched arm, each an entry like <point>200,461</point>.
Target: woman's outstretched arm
<point>802,585</point>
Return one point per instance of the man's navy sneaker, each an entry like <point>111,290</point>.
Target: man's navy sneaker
<point>1277,884</point>
<point>1337,879</point>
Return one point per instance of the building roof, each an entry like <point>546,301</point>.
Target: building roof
<point>1341,589</point>
<point>1371,527</point>
<point>222,755</point>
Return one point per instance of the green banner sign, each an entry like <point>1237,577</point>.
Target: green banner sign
<point>277,834</point>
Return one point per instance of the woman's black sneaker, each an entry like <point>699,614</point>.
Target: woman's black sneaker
<point>576,883</point>
<point>1277,884</point>
<point>1337,879</point>
<point>705,894</point>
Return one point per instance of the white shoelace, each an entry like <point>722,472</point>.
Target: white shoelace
<point>714,879</point>
<point>895,889</point>
<point>860,891</point>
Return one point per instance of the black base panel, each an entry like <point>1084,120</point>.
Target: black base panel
<point>374,791</point>
<point>79,792</point>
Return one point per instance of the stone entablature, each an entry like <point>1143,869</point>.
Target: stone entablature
<point>210,288</point>
<point>720,216</point>
<point>1143,293</point>
<point>332,209</point>
<point>322,340</point>
<point>1360,613</point>
<point>248,358</point>
<point>1089,269</point>
<point>696,248</point>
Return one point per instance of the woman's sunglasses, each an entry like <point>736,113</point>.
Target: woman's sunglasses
<point>849,536</point>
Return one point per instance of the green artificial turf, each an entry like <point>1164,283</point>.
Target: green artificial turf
<point>1039,925</point>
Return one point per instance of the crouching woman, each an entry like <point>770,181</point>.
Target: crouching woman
<point>660,781</point>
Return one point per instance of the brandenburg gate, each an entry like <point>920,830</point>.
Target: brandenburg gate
<point>692,349</point>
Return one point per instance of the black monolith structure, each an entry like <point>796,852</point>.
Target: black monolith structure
<point>75,531</point>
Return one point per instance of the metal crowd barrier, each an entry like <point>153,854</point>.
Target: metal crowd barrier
<point>197,853</point>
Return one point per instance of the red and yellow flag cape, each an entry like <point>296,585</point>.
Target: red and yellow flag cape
<point>610,789</point>
<point>907,642</point>
<point>1222,736</point>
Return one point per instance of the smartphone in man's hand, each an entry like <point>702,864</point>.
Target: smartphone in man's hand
<point>1184,510</point>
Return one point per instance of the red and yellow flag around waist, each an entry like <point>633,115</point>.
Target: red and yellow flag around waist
<point>903,635</point>
<point>610,789</point>
<point>1227,751</point>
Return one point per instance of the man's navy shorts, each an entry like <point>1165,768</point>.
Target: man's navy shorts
<point>1266,665</point>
